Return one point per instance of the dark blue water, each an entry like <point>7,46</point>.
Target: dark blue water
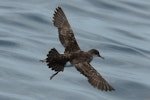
<point>120,29</point>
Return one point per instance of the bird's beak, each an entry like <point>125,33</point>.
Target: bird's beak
<point>101,56</point>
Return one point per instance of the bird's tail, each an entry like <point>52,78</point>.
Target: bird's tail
<point>56,61</point>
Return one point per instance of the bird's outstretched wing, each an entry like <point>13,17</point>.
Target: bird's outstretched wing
<point>94,78</point>
<point>66,35</point>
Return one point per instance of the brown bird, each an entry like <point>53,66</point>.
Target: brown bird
<point>80,59</point>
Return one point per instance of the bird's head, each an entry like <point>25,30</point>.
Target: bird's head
<point>95,52</point>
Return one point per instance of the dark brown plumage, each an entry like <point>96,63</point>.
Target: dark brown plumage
<point>80,59</point>
<point>66,35</point>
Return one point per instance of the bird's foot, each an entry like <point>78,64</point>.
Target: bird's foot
<point>44,60</point>
<point>54,75</point>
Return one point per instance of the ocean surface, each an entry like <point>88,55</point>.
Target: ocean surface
<point>119,29</point>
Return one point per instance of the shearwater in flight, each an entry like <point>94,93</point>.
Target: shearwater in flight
<point>73,54</point>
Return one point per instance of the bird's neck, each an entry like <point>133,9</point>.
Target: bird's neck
<point>91,53</point>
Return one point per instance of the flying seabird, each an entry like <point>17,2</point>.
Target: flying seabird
<point>73,54</point>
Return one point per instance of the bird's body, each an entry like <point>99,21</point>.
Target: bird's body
<point>73,54</point>
<point>80,56</point>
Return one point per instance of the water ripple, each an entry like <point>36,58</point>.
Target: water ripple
<point>119,29</point>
